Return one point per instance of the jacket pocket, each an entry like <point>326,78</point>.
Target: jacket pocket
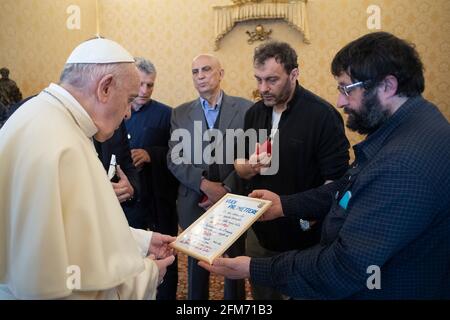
<point>333,223</point>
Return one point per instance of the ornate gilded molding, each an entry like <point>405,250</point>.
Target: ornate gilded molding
<point>260,34</point>
<point>293,12</point>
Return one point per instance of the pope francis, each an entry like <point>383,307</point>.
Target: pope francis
<point>63,234</point>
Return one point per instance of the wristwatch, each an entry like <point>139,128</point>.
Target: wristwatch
<point>304,224</point>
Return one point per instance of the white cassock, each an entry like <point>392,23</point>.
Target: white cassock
<point>59,213</point>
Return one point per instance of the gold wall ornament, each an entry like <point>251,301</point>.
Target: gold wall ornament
<point>240,2</point>
<point>260,34</point>
<point>292,11</point>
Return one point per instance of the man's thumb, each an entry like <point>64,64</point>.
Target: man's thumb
<point>169,260</point>
<point>220,262</point>
<point>120,172</point>
<point>256,194</point>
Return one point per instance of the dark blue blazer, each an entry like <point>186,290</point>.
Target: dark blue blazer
<point>387,218</point>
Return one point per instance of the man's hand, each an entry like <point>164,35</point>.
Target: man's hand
<point>123,189</point>
<point>256,164</point>
<point>140,157</point>
<point>232,268</point>
<point>259,161</point>
<point>160,252</point>
<point>275,210</point>
<point>205,204</point>
<point>162,266</point>
<point>213,190</point>
<point>159,245</point>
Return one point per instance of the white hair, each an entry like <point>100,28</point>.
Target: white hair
<point>145,65</point>
<point>83,75</point>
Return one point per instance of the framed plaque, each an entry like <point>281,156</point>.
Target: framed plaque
<point>219,227</point>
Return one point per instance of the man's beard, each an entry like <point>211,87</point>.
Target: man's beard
<point>370,117</point>
<point>282,97</point>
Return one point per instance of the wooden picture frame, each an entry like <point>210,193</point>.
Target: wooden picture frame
<point>220,226</point>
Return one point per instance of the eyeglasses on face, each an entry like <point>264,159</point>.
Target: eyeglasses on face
<point>346,90</point>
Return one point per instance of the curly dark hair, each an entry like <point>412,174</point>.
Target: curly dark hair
<point>377,55</point>
<point>282,52</point>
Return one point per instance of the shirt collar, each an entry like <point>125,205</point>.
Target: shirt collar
<point>78,113</point>
<point>295,97</point>
<point>141,106</point>
<point>206,106</point>
<point>376,140</point>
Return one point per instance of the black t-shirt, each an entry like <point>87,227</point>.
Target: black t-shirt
<point>313,148</point>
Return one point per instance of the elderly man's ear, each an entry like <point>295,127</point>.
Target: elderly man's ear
<point>104,88</point>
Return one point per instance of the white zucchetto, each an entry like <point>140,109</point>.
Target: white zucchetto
<point>99,50</point>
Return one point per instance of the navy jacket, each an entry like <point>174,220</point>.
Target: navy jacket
<point>391,210</point>
<point>155,208</point>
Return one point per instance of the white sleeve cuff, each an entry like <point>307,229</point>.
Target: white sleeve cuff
<point>143,239</point>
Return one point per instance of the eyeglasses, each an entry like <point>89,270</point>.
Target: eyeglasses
<point>346,90</point>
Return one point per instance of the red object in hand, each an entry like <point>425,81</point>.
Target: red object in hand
<point>204,198</point>
<point>265,147</point>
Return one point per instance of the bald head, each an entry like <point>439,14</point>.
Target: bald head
<point>208,57</point>
<point>207,73</point>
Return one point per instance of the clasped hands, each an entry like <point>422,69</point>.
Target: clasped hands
<point>140,157</point>
<point>214,191</point>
